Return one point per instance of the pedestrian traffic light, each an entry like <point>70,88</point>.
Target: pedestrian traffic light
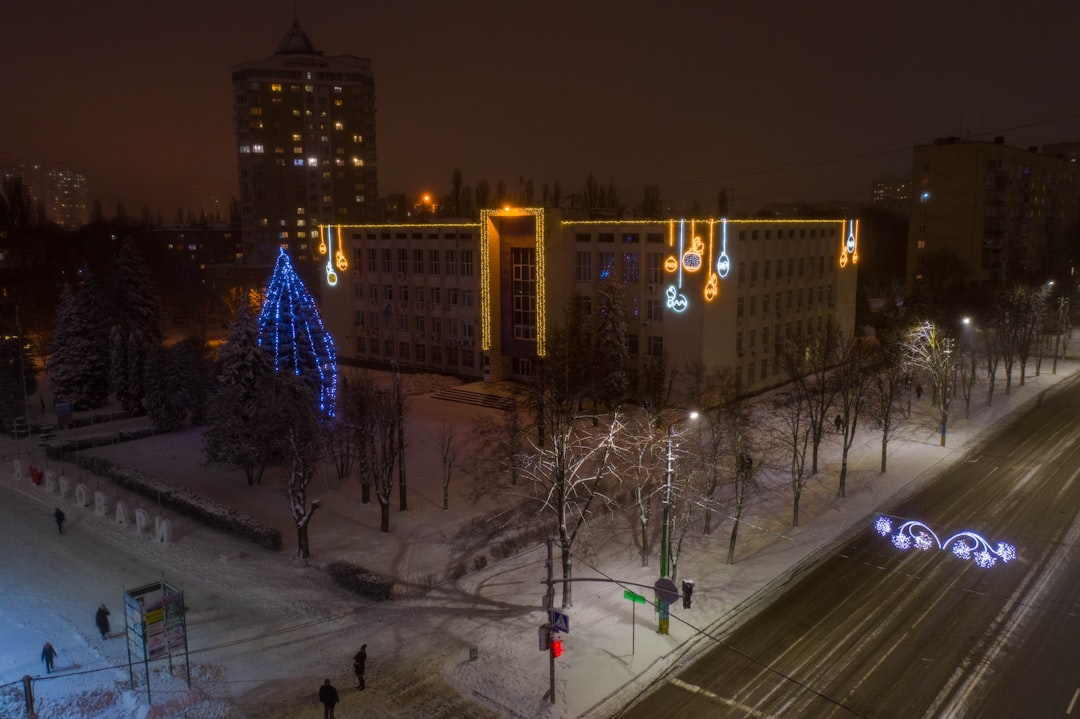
<point>687,592</point>
<point>556,647</point>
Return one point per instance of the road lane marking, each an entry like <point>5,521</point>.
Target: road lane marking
<point>1072,704</point>
<point>750,711</point>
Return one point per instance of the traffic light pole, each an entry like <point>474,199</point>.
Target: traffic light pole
<point>551,614</point>
<point>547,630</point>
<point>665,536</point>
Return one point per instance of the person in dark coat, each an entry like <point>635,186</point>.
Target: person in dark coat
<point>59,516</point>
<point>359,662</point>
<point>329,698</point>
<point>102,620</point>
<point>918,391</point>
<point>48,655</point>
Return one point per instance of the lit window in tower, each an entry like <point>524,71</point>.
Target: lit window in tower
<point>339,125</point>
<point>258,149</point>
<point>313,162</point>
<point>275,87</point>
<point>357,161</point>
<point>358,138</point>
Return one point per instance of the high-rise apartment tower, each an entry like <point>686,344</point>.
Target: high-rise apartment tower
<point>305,142</point>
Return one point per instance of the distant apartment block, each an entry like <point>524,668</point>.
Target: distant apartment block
<point>61,190</point>
<point>305,140</point>
<point>477,299</point>
<point>1001,211</point>
<point>892,193</point>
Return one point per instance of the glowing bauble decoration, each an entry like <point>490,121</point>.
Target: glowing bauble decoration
<point>671,264</point>
<point>712,287</point>
<point>691,259</point>
<point>963,545</point>
<point>723,264</point>
<point>675,300</point>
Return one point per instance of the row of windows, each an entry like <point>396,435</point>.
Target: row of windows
<point>630,270</point>
<point>768,366</point>
<point>420,324</point>
<point>792,300</point>
<point>420,295</point>
<point>457,357</point>
<point>777,338</point>
<point>433,262</point>
<point>659,237</point>
<point>387,235</point>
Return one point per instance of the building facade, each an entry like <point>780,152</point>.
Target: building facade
<point>1000,210</point>
<point>305,138</point>
<point>477,299</point>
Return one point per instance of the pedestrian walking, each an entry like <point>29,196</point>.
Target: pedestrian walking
<point>59,516</point>
<point>918,391</point>
<point>329,698</point>
<point>48,655</point>
<point>102,620</point>
<point>839,422</point>
<point>359,663</point>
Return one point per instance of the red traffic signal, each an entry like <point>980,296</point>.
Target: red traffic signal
<point>556,647</point>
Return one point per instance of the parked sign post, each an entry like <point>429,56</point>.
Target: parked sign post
<point>636,599</point>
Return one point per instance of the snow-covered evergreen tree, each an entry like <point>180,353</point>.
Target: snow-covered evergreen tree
<point>241,402</point>
<point>136,305</point>
<point>611,355</point>
<point>78,368</point>
<point>135,310</point>
<point>17,380</point>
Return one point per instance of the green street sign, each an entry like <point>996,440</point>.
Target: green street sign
<point>635,598</point>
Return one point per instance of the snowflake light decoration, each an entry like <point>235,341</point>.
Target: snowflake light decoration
<point>963,545</point>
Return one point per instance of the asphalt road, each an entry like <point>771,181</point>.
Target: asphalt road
<point>872,631</point>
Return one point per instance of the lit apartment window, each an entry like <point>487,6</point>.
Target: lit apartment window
<point>357,138</point>
<point>298,162</point>
<point>339,125</point>
<point>357,161</point>
<point>255,110</point>
<point>296,137</point>
<point>257,149</point>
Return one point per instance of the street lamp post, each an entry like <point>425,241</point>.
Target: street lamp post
<point>1063,308</point>
<point>665,537</point>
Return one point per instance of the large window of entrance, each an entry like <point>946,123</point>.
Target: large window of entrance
<point>523,292</point>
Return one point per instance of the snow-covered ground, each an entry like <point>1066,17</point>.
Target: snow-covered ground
<point>264,630</point>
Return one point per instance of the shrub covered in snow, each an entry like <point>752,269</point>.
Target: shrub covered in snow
<point>361,581</point>
<point>174,497</point>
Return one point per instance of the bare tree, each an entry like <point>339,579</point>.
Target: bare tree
<point>566,469</point>
<point>988,343</point>
<point>384,452</point>
<point>792,429</point>
<point>808,361</point>
<point>447,453</point>
<point>892,375</point>
<point>642,459</point>
<point>302,420</point>
<point>737,420</point>
<point>854,375</point>
<point>932,351</point>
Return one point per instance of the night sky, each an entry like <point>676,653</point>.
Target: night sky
<point>777,100</point>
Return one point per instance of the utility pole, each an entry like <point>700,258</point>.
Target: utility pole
<point>665,537</point>
<point>549,600</point>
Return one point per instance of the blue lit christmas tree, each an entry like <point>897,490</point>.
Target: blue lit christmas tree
<point>291,328</point>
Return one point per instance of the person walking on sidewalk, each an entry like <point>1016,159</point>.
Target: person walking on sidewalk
<point>59,516</point>
<point>101,618</point>
<point>329,698</point>
<point>48,655</point>
<point>359,663</point>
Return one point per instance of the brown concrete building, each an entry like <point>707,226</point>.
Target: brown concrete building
<point>1000,210</point>
<point>477,298</point>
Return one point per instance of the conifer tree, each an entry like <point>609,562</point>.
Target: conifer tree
<point>78,368</point>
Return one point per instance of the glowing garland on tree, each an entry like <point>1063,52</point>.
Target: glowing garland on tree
<point>290,324</point>
<point>964,545</point>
